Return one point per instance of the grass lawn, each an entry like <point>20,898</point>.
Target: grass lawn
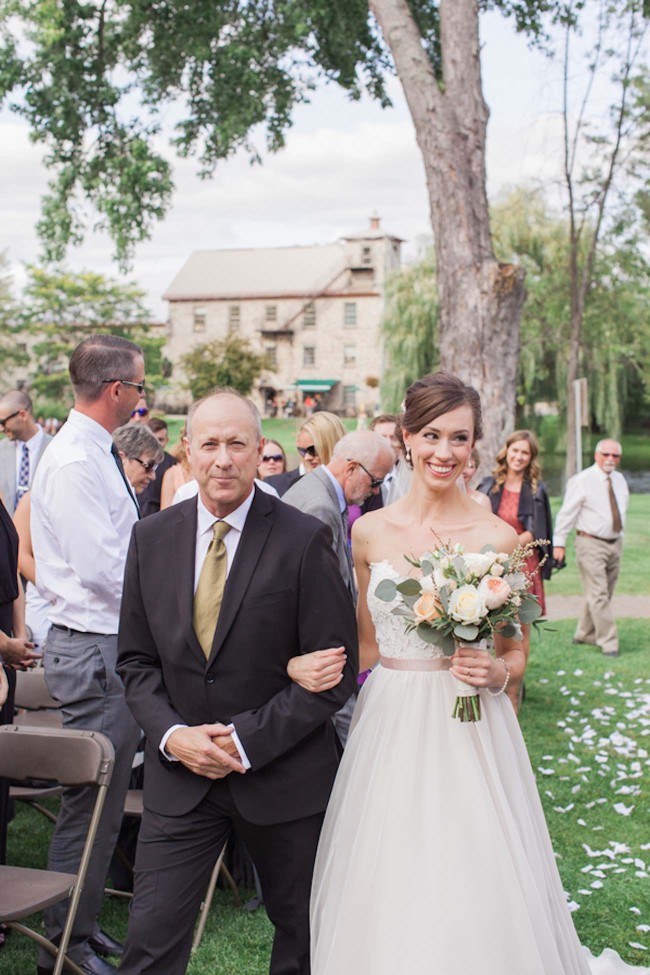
<point>587,726</point>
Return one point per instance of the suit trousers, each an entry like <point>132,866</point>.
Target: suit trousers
<point>598,563</point>
<point>80,674</point>
<point>174,861</point>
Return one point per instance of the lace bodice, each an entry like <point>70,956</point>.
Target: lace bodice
<point>390,630</point>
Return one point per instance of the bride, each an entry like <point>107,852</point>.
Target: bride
<point>435,857</point>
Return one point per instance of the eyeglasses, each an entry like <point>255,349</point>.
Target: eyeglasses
<point>606,453</point>
<point>141,411</point>
<point>311,450</point>
<point>375,482</point>
<point>10,417</point>
<point>276,457</point>
<point>147,464</point>
<point>127,382</point>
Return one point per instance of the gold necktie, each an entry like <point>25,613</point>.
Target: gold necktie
<point>617,524</point>
<point>209,592</point>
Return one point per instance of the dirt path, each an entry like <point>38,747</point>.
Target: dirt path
<point>625,607</point>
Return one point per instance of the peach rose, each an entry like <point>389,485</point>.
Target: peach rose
<point>427,608</point>
<point>494,590</point>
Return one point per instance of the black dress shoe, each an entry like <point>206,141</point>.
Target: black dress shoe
<point>102,944</point>
<point>90,966</point>
<point>611,653</point>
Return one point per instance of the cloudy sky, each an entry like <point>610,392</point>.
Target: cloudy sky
<point>342,162</point>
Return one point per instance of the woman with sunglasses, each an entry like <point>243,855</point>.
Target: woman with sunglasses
<point>274,460</point>
<point>317,436</point>
<point>140,452</point>
<point>518,496</point>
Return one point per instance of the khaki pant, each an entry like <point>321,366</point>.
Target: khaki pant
<point>599,563</point>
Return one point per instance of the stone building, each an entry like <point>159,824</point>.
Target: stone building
<point>315,311</point>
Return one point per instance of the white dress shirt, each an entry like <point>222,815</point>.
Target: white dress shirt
<point>81,521</point>
<point>586,506</point>
<point>33,445</point>
<point>204,524</point>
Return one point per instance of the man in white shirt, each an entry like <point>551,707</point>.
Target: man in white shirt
<point>83,511</point>
<point>595,504</point>
<point>22,448</point>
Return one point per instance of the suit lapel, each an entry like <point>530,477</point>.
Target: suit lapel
<point>251,544</point>
<point>184,555</point>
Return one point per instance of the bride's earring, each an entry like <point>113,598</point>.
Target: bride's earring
<point>407,454</point>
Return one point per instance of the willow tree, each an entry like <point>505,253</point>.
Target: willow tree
<point>92,79</point>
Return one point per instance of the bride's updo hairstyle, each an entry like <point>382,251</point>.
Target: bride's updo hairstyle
<point>430,397</point>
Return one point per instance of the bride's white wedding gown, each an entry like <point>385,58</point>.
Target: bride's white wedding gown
<point>435,858</point>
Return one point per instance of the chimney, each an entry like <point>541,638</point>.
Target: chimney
<point>374,222</point>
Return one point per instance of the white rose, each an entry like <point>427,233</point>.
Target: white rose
<point>496,570</point>
<point>502,558</point>
<point>467,605</point>
<point>439,578</point>
<point>427,584</point>
<point>495,591</point>
<point>478,563</point>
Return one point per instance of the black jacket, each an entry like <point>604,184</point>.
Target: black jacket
<point>534,513</point>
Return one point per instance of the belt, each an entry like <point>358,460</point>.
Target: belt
<point>610,541</point>
<point>70,630</point>
<point>415,663</point>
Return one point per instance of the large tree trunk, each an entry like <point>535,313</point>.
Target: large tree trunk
<point>480,299</point>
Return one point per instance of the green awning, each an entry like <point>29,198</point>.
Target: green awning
<point>316,385</point>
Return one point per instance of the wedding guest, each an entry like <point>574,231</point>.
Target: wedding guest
<point>595,504</point>
<point>36,608</point>
<point>396,481</point>
<point>150,497</point>
<point>273,462</point>
<point>518,496</point>
<point>22,447</point>
<point>176,476</point>
<point>469,472</point>
<point>83,510</point>
<point>315,441</point>
<point>141,412</point>
<point>140,453</point>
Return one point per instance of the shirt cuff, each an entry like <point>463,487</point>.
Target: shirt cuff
<point>164,740</point>
<point>240,748</point>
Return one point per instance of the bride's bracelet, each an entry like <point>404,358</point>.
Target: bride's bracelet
<point>505,683</point>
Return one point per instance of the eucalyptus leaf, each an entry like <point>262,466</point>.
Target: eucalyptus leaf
<point>529,610</point>
<point>459,565</point>
<point>428,634</point>
<point>386,590</point>
<point>444,597</point>
<point>509,630</point>
<point>466,632</point>
<point>427,567</point>
<point>409,587</point>
<point>487,548</point>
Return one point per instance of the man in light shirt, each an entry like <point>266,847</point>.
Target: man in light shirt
<point>83,511</point>
<point>220,592</point>
<point>595,504</point>
<point>22,448</point>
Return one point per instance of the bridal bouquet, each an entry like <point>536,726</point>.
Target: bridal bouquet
<point>463,598</point>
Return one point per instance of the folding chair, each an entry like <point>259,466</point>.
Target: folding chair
<point>42,711</point>
<point>72,758</point>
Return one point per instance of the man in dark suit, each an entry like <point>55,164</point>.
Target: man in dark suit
<point>231,741</point>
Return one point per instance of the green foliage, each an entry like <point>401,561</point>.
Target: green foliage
<point>224,362</point>
<point>59,308</point>
<point>409,330</point>
<point>13,352</point>
<point>616,327</point>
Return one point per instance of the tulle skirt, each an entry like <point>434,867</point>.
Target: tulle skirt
<point>435,858</point>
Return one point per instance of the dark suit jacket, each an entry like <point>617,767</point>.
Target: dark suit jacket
<point>284,596</point>
<point>282,482</point>
<point>534,512</point>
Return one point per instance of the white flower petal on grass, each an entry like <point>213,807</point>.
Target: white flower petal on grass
<point>622,809</point>
<point>635,910</point>
<point>643,927</point>
<point>639,947</point>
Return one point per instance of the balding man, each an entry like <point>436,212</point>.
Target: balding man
<point>360,462</point>
<point>595,504</point>
<point>22,448</point>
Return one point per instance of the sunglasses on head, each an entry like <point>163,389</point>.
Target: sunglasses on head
<point>276,457</point>
<point>141,411</point>
<point>311,450</point>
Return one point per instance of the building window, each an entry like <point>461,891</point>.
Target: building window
<point>366,256</point>
<point>199,318</point>
<point>234,316</point>
<point>350,314</point>
<point>349,397</point>
<point>309,355</point>
<point>271,313</point>
<point>309,316</point>
<point>349,355</point>
<point>271,353</point>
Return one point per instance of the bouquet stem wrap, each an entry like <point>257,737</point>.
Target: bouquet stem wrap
<point>468,702</point>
